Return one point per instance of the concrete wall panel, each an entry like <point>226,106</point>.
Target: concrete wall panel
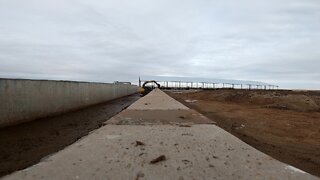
<point>26,100</point>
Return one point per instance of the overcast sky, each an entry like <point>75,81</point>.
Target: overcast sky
<point>274,41</point>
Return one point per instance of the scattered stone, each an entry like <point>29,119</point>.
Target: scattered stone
<point>240,127</point>
<point>191,101</point>
<point>139,143</point>
<point>140,175</point>
<point>184,125</point>
<point>158,159</point>
<point>125,107</point>
<point>187,134</point>
<point>186,161</point>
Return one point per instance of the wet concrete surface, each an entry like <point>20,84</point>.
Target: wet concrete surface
<point>26,144</point>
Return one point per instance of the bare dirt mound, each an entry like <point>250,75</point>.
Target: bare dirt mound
<point>290,100</point>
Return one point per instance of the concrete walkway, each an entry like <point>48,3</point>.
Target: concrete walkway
<point>159,138</point>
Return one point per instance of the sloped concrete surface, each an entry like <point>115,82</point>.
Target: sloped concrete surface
<point>174,117</point>
<point>193,151</point>
<point>157,100</point>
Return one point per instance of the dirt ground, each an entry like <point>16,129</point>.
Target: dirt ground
<point>282,124</point>
<point>26,144</point>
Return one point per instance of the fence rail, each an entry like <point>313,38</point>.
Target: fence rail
<point>210,85</point>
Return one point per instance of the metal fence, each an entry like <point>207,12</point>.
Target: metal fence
<point>210,85</point>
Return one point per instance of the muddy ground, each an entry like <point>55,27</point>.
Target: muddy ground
<point>26,144</point>
<point>282,124</point>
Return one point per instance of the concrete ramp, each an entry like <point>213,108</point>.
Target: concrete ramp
<point>159,138</point>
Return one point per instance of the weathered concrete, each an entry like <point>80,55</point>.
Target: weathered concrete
<point>174,117</point>
<point>25,100</point>
<point>157,100</point>
<point>194,151</point>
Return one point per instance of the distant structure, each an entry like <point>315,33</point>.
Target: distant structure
<point>172,84</point>
<point>118,82</point>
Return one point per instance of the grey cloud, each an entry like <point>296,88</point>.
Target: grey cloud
<point>272,41</point>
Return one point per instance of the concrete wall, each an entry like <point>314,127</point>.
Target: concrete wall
<point>25,100</point>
